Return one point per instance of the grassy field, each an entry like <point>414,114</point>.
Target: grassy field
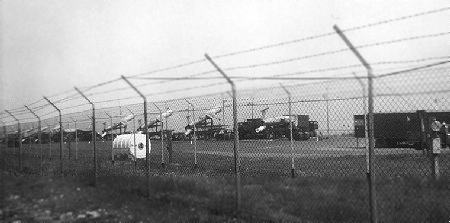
<point>330,184</point>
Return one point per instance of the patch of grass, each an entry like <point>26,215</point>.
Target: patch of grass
<point>325,189</point>
<point>209,199</point>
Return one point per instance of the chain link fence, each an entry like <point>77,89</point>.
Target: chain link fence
<point>316,132</point>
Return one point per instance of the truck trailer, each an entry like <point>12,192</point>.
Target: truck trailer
<point>404,129</point>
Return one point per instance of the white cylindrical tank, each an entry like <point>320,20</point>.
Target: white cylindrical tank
<point>124,145</point>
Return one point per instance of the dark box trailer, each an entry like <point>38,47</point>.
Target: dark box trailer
<point>360,126</point>
<point>402,130</point>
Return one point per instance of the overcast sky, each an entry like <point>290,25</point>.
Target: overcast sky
<point>49,46</point>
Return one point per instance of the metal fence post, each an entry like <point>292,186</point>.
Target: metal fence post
<point>134,137</point>
<point>112,138</point>
<point>61,132</point>
<point>236,136</point>
<point>147,141</point>
<point>39,139</point>
<point>162,134</point>
<point>194,133</point>
<point>30,143</point>
<point>363,87</point>
<point>371,177</point>
<point>5,134</point>
<point>169,135</point>
<point>3,154</point>
<point>290,130</point>
<point>94,134</point>
<point>68,144</point>
<point>327,101</point>
<point>223,111</point>
<point>50,135</point>
<point>76,139</point>
<point>19,132</point>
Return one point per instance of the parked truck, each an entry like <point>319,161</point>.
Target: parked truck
<point>278,127</point>
<point>306,128</point>
<point>205,129</point>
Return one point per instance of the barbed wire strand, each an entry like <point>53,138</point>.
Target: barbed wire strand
<point>413,69</point>
<point>333,33</point>
<point>301,39</point>
<point>298,72</point>
<point>281,44</point>
<point>291,41</point>
<point>246,78</point>
<point>307,56</point>
<point>336,51</point>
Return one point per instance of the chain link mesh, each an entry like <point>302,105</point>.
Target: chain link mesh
<point>327,150</point>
